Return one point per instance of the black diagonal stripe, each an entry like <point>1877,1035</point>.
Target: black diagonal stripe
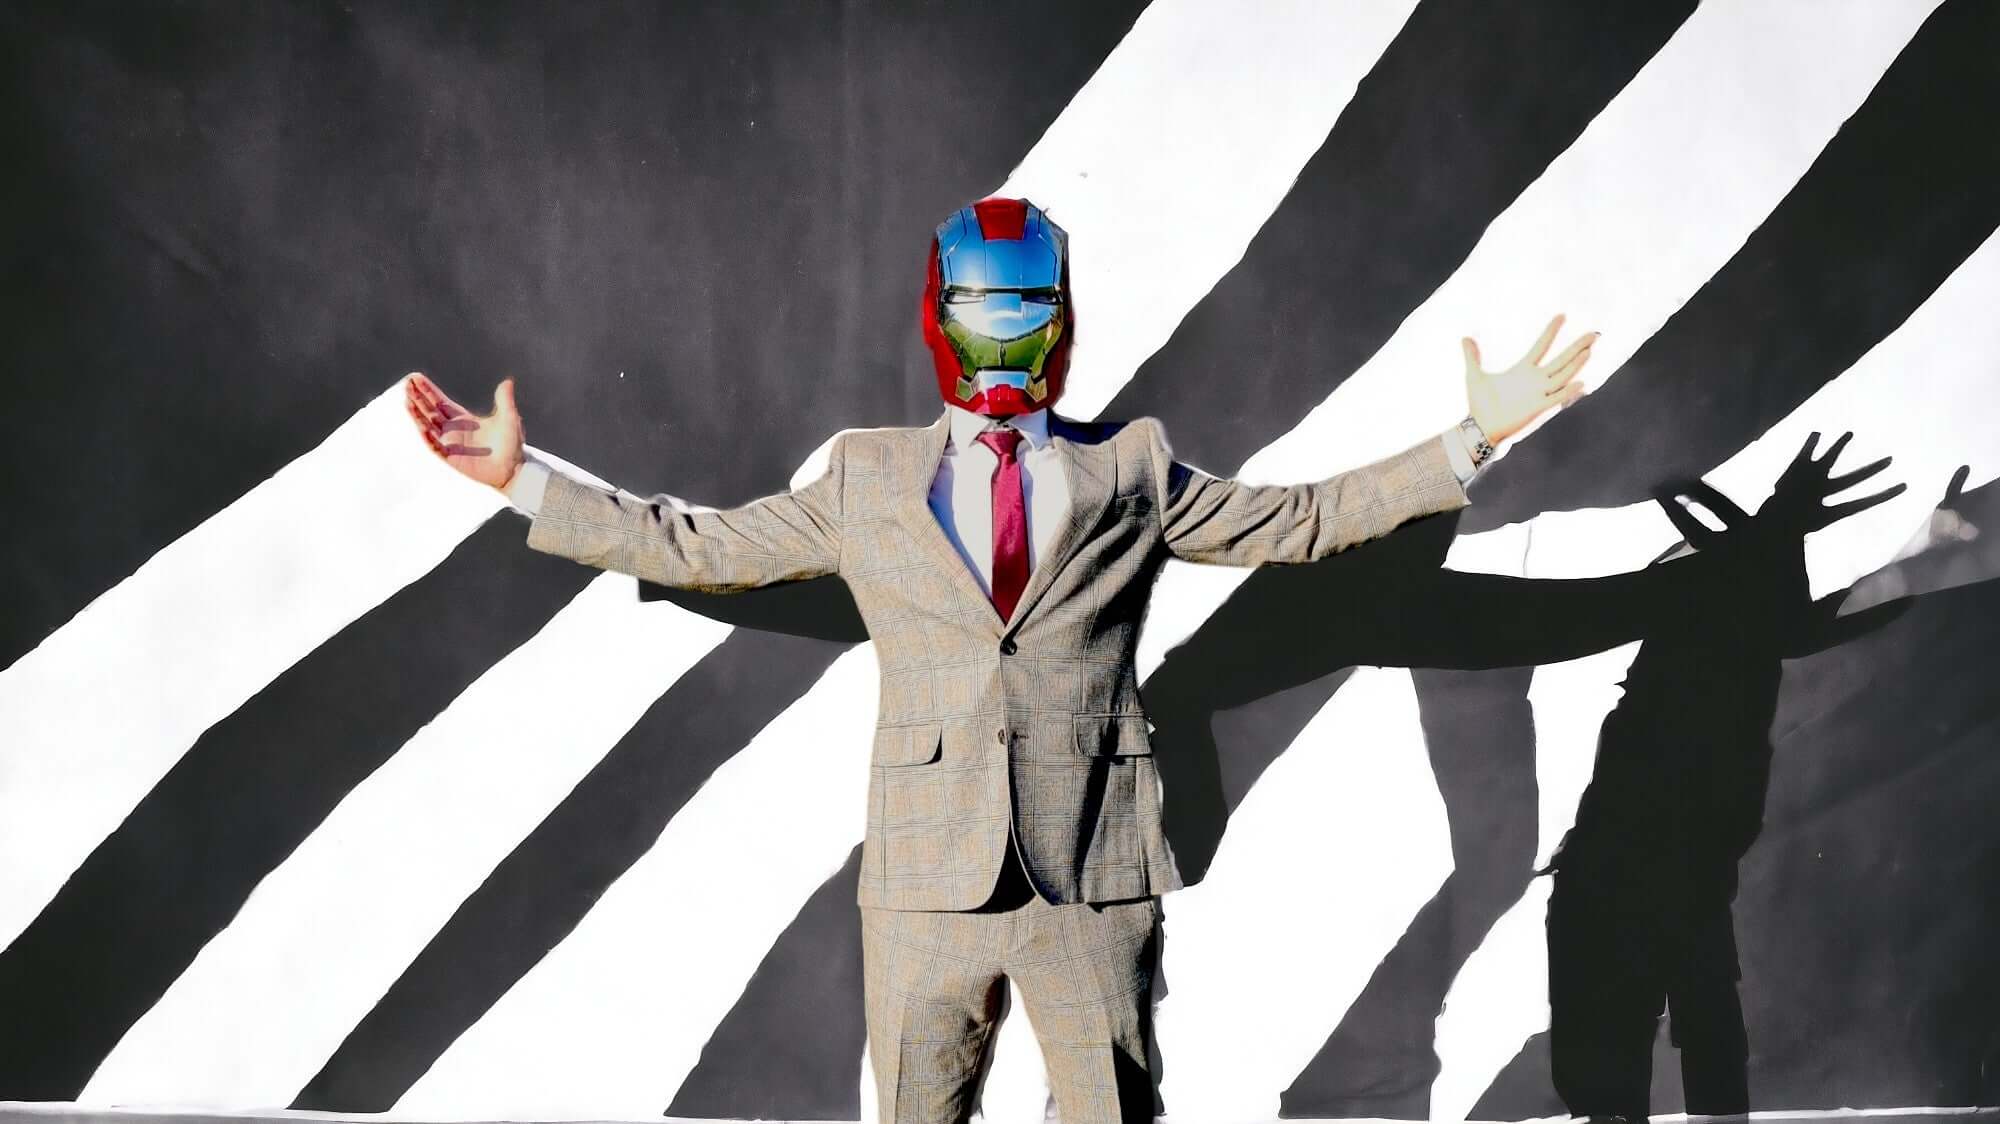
<point>130,920</point>
<point>1874,872</point>
<point>553,879</point>
<point>810,981</point>
<point>1463,111</point>
<point>1892,205</point>
<point>1441,136</point>
<point>694,232</point>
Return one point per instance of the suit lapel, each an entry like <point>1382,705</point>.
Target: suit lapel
<point>915,470</point>
<point>1093,475</point>
<point>1091,469</point>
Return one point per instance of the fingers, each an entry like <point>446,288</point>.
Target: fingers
<point>1563,385</point>
<point>1471,355</point>
<point>436,399</point>
<point>503,397</point>
<point>421,391</point>
<point>1956,488</point>
<point>1541,347</point>
<point>1841,511</point>
<point>434,438</point>
<point>1669,496</point>
<point>1697,533</point>
<point>430,421</point>
<point>1559,380</point>
<point>1833,450</point>
<point>436,446</point>
<point>1836,483</point>
<point>1724,508</point>
<point>436,417</point>
<point>1805,453</point>
<point>429,426</point>
<point>414,397</point>
<point>1571,354</point>
<point>426,421</point>
<point>425,406</point>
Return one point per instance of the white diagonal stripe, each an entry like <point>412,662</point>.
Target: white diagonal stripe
<point>1376,851</point>
<point>99,711</point>
<point>666,951</point>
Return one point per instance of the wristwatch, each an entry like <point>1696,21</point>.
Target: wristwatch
<point>1475,440</point>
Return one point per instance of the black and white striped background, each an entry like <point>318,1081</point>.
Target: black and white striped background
<point>295,807</point>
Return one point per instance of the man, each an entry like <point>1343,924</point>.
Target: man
<point>1001,558</point>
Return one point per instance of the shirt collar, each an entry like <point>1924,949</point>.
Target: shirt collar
<point>966,426</point>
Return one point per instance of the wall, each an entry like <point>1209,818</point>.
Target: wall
<point>298,809</point>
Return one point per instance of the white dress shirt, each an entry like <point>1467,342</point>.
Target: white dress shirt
<point>961,495</point>
<point>962,491</point>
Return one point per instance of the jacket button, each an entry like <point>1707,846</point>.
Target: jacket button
<point>1007,647</point>
<point>1003,735</point>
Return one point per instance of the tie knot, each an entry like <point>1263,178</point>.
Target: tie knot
<point>1002,441</point>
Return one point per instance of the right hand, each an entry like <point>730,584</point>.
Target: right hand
<point>486,448</point>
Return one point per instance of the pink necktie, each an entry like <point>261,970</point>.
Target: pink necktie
<point>1010,522</point>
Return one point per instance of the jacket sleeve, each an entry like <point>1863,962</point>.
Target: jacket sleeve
<point>786,537</point>
<point>1208,519</point>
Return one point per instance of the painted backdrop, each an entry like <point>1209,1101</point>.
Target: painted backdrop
<point>295,805</point>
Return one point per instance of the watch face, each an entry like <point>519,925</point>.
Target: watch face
<point>1480,448</point>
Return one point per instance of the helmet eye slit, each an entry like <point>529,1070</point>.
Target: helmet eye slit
<point>1028,296</point>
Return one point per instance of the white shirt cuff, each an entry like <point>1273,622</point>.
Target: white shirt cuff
<point>524,492</point>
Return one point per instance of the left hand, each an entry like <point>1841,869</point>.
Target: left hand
<point>1504,402</point>
<point>1797,506</point>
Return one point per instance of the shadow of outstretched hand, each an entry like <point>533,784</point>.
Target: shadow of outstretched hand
<point>1757,562</point>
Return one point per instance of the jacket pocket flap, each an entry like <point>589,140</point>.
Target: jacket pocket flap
<point>1124,735</point>
<point>907,745</point>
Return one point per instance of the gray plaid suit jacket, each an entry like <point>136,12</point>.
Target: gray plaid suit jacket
<point>1034,721</point>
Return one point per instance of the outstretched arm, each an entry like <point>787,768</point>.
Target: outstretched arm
<point>1209,519</point>
<point>786,537</point>
<point>1206,518</point>
<point>661,539</point>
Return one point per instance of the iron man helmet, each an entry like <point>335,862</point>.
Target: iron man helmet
<point>997,315</point>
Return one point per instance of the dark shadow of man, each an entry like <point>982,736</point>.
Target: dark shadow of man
<point>1640,917</point>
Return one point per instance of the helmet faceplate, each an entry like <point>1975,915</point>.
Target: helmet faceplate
<point>997,314</point>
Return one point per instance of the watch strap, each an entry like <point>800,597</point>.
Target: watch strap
<point>1475,440</point>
